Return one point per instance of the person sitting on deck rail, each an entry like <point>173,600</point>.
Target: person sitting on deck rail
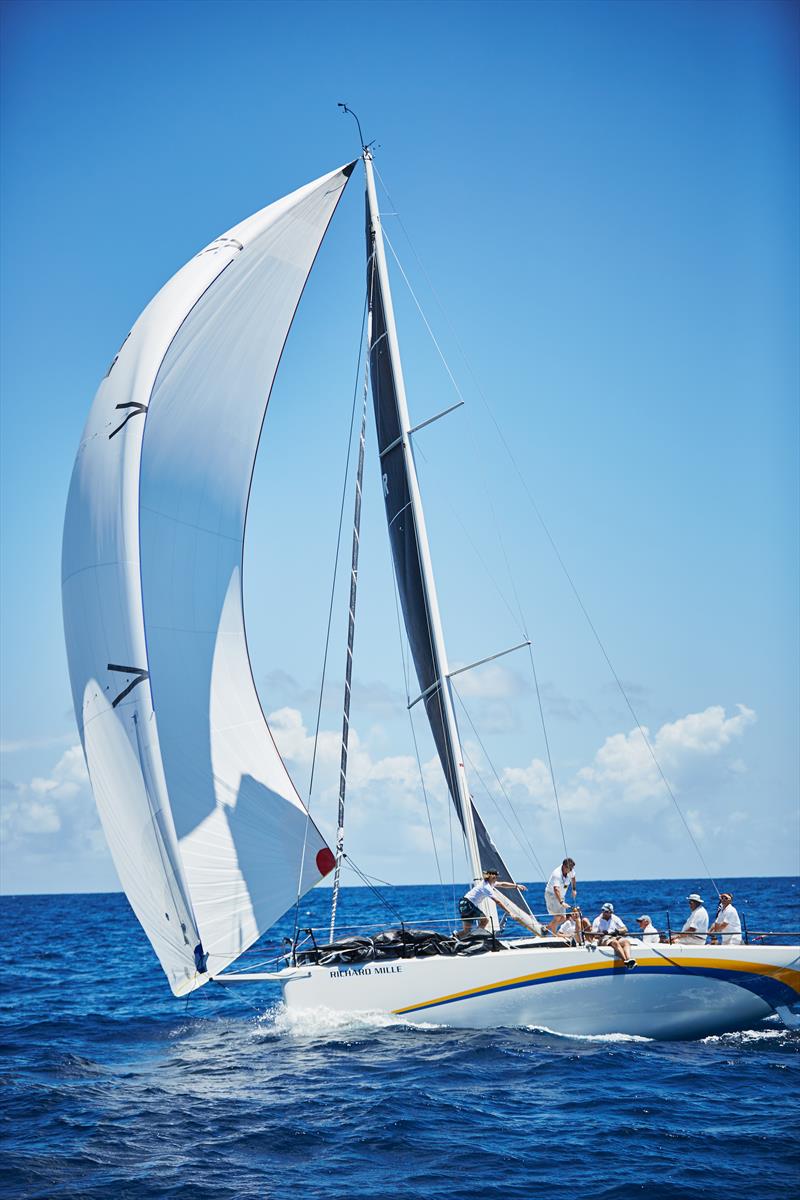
<point>695,926</point>
<point>605,929</point>
<point>574,923</point>
<point>555,892</point>
<point>727,923</point>
<point>649,933</point>
<point>485,890</point>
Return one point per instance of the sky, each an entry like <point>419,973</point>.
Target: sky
<point>595,205</point>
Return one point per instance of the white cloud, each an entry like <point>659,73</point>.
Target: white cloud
<point>56,803</point>
<point>385,798</point>
<point>388,822</point>
<point>72,766</point>
<point>490,682</point>
<point>707,732</point>
<point>533,779</point>
<point>623,773</point>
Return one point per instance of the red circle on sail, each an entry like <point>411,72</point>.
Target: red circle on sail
<point>325,861</point>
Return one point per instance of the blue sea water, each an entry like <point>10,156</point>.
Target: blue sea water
<point>114,1089</point>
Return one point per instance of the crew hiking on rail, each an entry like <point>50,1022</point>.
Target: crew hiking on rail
<point>485,890</point>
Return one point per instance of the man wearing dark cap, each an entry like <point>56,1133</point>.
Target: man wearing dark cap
<point>486,889</point>
<point>727,925</point>
<point>606,930</point>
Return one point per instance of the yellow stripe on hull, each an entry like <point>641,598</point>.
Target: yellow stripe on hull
<point>786,975</point>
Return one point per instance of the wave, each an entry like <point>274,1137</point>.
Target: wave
<point>588,1037</point>
<point>323,1022</point>
<point>744,1036</point>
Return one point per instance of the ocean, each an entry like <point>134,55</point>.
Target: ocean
<point>114,1090</point>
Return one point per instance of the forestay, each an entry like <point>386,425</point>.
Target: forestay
<point>204,824</point>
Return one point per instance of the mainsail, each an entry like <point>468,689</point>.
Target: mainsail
<point>204,824</point>
<point>410,553</point>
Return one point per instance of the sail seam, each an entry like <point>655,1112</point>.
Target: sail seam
<point>179,877</point>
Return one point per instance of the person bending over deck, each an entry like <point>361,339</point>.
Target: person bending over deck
<point>695,926</point>
<point>485,890</point>
<point>606,929</point>
<point>727,925</point>
<point>555,892</point>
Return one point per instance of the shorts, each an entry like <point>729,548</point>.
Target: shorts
<point>553,907</point>
<point>469,911</point>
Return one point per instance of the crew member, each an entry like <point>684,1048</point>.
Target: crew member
<point>555,892</point>
<point>695,927</point>
<point>649,933</point>
<point>727,924</point>
<point>575,926</point>
<point>485,890</point>
<point>606,929</point>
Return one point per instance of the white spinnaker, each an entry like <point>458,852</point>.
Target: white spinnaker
<point>204,825</point>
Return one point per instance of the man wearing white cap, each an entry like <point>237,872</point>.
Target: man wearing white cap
<point>649,933</point>
<point>728,925</point>
<point>695,927</point>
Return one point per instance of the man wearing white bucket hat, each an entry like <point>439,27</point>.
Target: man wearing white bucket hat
<point>695,927</point>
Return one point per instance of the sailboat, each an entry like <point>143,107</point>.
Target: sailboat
<point>209,835</point>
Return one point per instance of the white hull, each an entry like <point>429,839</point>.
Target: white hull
<point>673,992</point>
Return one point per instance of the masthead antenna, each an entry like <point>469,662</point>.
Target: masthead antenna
<point>345,109</point>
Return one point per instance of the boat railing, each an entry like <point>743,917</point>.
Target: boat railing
<point>312,944</point>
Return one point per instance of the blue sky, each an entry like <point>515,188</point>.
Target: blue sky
<point>604,199</point>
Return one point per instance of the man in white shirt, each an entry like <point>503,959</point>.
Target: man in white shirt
<point>485,890</point>
<point>605,929</point>
<point>648,933</point>
<point>695,927</point>
<point>555,892</point>
<point>728,925</point>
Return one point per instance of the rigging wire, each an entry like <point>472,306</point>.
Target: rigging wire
<point>442,681</point>
<point>368,881</point>
<point>515,617</point>
<point>449,761</point>
<point>330,614</point>
<point>520,616</point>
<point>414,732</point>
<point>508,800</point>
<point>545,528</point>
<point>549,756</point>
